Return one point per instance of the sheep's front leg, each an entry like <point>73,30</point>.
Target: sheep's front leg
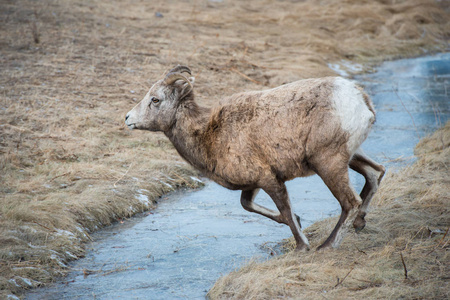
<point>247,201</point>
<point>279,195</point>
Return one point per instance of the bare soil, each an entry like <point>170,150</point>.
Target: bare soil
<point>70,70</point>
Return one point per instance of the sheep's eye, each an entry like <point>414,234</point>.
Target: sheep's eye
<point>155,100</point>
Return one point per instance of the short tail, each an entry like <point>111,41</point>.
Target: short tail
<point>368,102</point>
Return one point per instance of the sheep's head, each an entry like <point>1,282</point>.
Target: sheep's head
<point>156,112</point>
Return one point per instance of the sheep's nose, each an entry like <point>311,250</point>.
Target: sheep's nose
<point>127,116</point>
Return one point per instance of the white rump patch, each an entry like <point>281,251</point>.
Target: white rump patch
<point>355,116</point>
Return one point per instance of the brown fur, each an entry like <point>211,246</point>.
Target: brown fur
<point>261,139</point>
<point>252,136</point>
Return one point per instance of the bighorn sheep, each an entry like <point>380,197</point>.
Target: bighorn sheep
<point>261,139</point>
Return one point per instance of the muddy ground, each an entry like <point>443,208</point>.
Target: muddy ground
<point>70,70</point>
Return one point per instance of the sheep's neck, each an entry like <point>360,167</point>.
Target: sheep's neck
<point>187,133</point>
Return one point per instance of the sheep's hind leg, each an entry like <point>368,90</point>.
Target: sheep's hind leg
<point>247,202</point>
<point>373,173</point>
<point>335,176</point>
<point>280,197</point>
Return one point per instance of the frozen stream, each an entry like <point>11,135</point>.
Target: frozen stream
<point>181,248</point>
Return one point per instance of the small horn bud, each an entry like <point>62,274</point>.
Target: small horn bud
<point>172,77</point>
<point>181,69</point>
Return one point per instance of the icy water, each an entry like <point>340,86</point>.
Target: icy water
<point>181,248</point>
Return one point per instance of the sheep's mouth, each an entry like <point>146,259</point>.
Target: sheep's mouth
<point>132,126</point>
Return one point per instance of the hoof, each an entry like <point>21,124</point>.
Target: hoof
<point>302,248</point>
<point>359,223</point>
<point>324,246</point>
<point>359,228</point>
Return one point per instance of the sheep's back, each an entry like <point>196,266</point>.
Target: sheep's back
<point>276,130</point>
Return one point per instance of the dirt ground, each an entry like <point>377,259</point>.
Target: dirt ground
<point>70,70</point>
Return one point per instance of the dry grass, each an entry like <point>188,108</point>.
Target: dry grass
<point>70,70</point>
<point>403,253</point>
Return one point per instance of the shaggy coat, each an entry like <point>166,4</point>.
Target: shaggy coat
<point>262,139</point>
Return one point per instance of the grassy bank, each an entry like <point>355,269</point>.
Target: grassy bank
<point>403,253</point>
<point>70,70</point>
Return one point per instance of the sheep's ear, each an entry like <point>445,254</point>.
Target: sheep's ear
<point>184,87</point>
<point>181,85</point>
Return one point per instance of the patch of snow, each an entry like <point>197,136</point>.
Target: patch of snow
<point>13,281</point>
<point>165,183</point>
<point>169,185</point>
<point>337,68</point>
<point>345,68</point>
<point>143,199</point>
<point>196,179</point>
<point>58,260</point>
<point>35,247</point>
<point>81,230</point>
<point>12,297</point>
<point>27,281</point>
<point>71,255</point>
<point>65,233</point>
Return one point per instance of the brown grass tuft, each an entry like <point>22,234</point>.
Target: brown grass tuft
<point>402,253</point>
